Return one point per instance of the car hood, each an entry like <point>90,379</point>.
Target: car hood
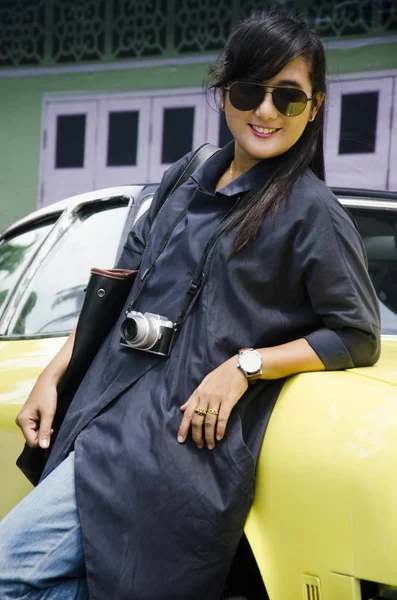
<point>21,362</point>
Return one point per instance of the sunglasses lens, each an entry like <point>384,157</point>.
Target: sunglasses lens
<point>289,102</point>
<point>246,96</point>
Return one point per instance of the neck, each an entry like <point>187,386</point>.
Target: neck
<point>242,161</point>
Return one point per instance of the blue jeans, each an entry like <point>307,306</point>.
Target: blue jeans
<point>41,547</point>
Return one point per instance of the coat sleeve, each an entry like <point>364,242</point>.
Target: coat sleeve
<point>134,246</point>
<point>336,277</point>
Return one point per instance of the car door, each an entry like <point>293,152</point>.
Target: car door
<point>44,295</point>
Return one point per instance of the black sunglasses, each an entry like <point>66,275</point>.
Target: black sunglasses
<point>247,96</point>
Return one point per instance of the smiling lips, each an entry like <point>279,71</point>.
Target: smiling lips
<point>263,132</point>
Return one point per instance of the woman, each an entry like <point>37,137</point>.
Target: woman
<point>151,478</point>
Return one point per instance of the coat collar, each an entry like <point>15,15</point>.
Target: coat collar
<point>207,175</point>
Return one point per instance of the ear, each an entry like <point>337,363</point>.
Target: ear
<point>317,102</point>
<point>222,99</point>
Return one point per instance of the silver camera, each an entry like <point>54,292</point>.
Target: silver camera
<point>147,332</point>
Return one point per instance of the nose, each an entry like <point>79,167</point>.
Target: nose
<point>266,108</point>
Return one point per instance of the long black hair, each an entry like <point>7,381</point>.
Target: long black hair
<point>257,49</point>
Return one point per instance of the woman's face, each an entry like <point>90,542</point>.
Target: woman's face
<point>281,132</point>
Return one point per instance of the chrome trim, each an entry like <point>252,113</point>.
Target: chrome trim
<point>365,203</point>
<point>38,336</point>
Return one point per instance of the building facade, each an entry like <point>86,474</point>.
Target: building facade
<point>108,92</point>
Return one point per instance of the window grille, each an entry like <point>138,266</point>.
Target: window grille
<point>52,32</point>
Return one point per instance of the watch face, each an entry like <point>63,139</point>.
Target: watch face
<point>251,362</point>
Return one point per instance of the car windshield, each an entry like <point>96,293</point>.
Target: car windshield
<point>53,300</point>
<point>379,231</point>
<point>15,254</point>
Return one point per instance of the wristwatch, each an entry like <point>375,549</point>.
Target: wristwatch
<point>250,363</point>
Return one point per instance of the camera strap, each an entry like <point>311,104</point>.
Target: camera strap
<point>198,275</point>
<point>197,280</point>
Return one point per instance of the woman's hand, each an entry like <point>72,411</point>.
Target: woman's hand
<point>36,416</point>
<point>219,391</point>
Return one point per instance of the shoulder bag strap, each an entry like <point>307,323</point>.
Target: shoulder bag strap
<point>201,155</point>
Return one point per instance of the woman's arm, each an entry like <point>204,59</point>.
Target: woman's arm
<point>288,359</point>
<point>37,414</point>
<point>330,258</point>
<point>333,264</point>
<point>224,386</point>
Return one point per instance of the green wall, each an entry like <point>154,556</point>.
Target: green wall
<point>21,106</point>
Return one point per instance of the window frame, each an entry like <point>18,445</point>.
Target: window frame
<point>42,221</point>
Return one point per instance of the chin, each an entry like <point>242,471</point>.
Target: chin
<point>261,153</point>
<point>264,155</point>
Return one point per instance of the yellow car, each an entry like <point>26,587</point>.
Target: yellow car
<point>323,525</point>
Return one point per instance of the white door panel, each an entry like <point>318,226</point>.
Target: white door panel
<point>122,154</point>
<point>68,161</point>
<point>358,132</point>
<point>179,125</point>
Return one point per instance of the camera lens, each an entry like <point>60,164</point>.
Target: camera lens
<point>141,330</point>
<point>129,329</point>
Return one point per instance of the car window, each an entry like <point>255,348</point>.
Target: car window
<point>15,254</point>
<point>379,231</point>
<point>54,298</point>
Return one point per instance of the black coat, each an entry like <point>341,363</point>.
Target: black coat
<point>160,520</point>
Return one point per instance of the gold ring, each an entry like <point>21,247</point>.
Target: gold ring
<point>213,411</point>
<point>200,411</point>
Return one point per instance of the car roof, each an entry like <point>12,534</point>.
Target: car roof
<point>70,203</point>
